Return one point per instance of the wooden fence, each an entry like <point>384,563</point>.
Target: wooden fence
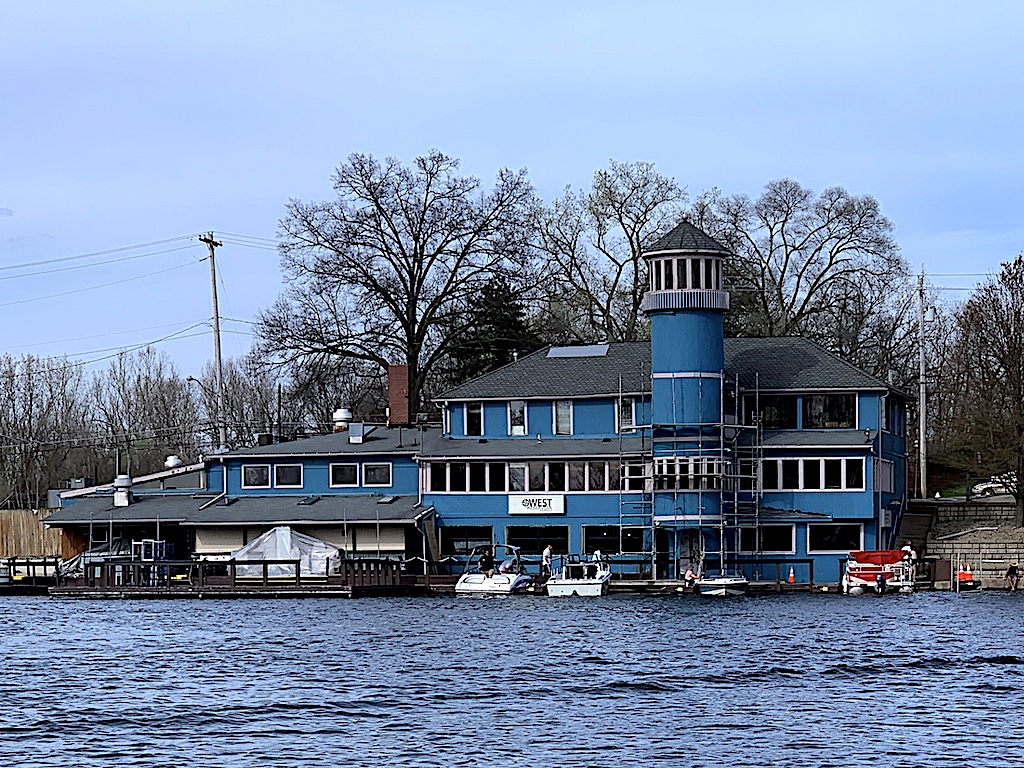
<point>22,534</point>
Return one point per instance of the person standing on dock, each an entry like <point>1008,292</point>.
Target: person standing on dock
<point>910,556</point>
<point>1011,577</point>
<point>545,562</point>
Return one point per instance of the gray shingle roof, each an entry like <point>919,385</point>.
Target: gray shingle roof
<point>378,439</point>
<point>259,510</point>
<point>686,237</point>
<point>540,376</point>
<point>780,363</point>
<point>790,362</point>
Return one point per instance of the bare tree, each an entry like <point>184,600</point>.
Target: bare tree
<point>381,272</point>
<point>985,424</point>
<point>41,407</point>
<point>804,260</point>
<point>595,241</point>
<point>144,411</point>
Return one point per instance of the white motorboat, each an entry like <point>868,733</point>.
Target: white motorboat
<point>580,577</point>
<point>493,579</point>
<point>722,586</point>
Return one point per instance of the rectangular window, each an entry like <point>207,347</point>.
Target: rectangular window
<point>681,273</point>
<point>347,475</point>
<point>474,419</point>
<point>695,273</point>
<point>823,537</point>
<point>812,474</point>
<point>601,537</point>
<point>532,539</point>
<point>669,269</point>
<point>563,417</point>
<point>656,270</point>
<point>556,476</point>
<point>830,411</point>
<point>770,475</point>
<point>463,539</point>
<point>516,478</point>
<point>774,539</point>
<point>256,476</point>
<point>477,477</point>
<point>884,476</point>
<point>438,476</point>
<point>790,474</point>
<point>537,480</point>
<point>496,473</point>
<point>833,473</point>
<point>457,476</point>
<point>709,268</point>
<point>377,474</point>
<point>577,476</point>
<point>595,475</point>
<point>777,411</point>
<point>634,476</point>
<point>627,414</point>
<point>287,475</point>
<point>883,411</point>
<point>615,469</point>
<point>854,474</point>
<point>517,417</point>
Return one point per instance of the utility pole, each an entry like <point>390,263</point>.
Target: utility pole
<point>218,365</point>
<point>922,395</point>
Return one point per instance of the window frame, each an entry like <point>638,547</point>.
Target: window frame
<point>554,417</point>
<point>465,418</point>
<point>391,474</point>
<point>289,466</point>
<point>526,420</point>
<point>759,533</point>
<point>811,551</point>
<point>268,469</point>
<point>843,487</point>
<point>330,474</point>
<point>621,426</point>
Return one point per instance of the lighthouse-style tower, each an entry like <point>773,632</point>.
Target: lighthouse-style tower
<point>686,303</point>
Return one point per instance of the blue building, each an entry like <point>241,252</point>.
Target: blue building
<point>751,454</point>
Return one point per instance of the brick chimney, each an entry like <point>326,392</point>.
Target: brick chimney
<point>398,394</point>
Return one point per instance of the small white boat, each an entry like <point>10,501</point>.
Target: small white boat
<point>505,579</point>
<point>722,586</point>
<point>580,577</point>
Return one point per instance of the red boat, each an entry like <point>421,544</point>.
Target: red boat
<point>878,571</point>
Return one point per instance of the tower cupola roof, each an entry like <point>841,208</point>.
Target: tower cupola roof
<point>686,237</point>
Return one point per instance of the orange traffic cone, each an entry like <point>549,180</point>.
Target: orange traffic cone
<point>792,575</point>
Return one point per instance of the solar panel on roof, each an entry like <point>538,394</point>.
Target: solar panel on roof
<point>587,350</point>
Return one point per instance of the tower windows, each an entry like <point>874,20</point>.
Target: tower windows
<point>696,273</point>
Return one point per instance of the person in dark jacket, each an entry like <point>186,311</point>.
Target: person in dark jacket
<point>486,563</point>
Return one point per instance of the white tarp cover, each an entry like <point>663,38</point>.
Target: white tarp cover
<point>282,543</point>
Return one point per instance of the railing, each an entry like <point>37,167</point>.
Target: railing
<point>28,570</point>
<point>186,575</point>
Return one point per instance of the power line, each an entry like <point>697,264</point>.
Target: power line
<point>94,287</point>
<point>94,264</point>
<point>108,252</point>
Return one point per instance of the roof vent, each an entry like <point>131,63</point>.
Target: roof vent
<point>356,432</point>
<point>122,491</point>
<point>341,418</point>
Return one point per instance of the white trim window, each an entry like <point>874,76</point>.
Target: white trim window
<point>377,475</point>
<point>774,539</point>
<point>561,417</point>
<point>626,417</point>
<point>834,538</point>
<point>517,424</point>
<point>287,475</point>
<point>818,474</point>
<point>473,419</point>
<point>344,475</point>
<point>255,475</point>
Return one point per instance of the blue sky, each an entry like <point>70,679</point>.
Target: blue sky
<point>126,123</point>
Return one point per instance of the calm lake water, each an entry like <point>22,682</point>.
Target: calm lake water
<point>808,680</point>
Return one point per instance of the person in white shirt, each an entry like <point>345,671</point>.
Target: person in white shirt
<point>545,564</point>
